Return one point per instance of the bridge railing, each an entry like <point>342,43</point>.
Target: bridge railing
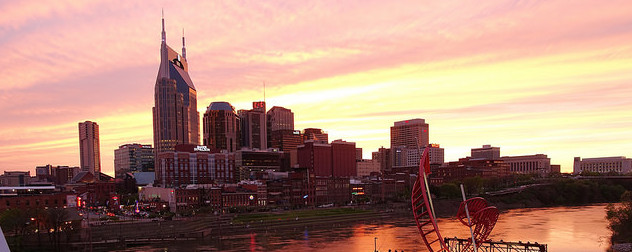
<point>461,245</point>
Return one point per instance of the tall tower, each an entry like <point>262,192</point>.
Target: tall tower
<point>254,126</point>
<point>89,147</point>
<point>280,118</point>
<point>176,119</point>
<point>221,127</point>
<point>404,138</point>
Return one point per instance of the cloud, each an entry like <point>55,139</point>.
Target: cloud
<point>352,68</point>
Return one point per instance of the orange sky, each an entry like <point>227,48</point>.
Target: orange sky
<point>550,77</point>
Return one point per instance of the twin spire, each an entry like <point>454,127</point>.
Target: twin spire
<point>164,36</point>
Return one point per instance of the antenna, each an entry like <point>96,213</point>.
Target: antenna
<point>264,91</point>
<point>184,50</point>
<point>164,34</point>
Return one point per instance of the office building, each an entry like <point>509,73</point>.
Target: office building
<point>467,168</point>
<point>90,155</point>
<point>538,164</point>
<point>176,119</point>
<point>410,134</point>
<point>249,163</point>
<point>367,166</point>
<point>15,178</point>
<point>328,160</point>
<point>280,118</point>
<point>133,158</point>
<point>315,134</point>
<point>59,175</point>
<point>621,165</point>
<point>221,127</point>
<point>190,164</point>
<point>383,157</point>
<point>486,152</point>
<point>406,136</point>
<point>409,157</point>
<point>254,127</point>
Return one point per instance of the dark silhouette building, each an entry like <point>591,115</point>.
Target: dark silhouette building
<point>316,135</point>
<point>254,126</point>
<point>176,119</point>
<point>90,155</point>
<point>221,127</point>
<point>133,158</point>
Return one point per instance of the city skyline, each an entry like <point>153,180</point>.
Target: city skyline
<point>528,77</point>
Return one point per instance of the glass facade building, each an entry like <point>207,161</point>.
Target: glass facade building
<point>175,115</point>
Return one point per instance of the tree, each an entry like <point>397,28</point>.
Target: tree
<point>57,218</point>
<point>16,222</point>
<point>620,218</point>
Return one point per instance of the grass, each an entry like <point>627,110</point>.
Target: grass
<point>297,213</point>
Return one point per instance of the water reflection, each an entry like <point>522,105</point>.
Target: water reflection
<point>562,228</point>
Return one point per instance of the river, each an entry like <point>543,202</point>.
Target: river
<point>576,229</point>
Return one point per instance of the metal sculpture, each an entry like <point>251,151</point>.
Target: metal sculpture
<point>483,220</point>
<point>423,209</point>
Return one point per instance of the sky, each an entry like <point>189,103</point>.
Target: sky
<point>551,77</point>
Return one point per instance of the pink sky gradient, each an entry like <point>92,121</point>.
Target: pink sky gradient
<point>552,77</point>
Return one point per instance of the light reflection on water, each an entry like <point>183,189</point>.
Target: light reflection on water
<point>562,228</point>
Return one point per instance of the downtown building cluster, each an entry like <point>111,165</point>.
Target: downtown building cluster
<point>254,157</point>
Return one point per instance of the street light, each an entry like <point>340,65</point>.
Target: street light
<point>375,244</point>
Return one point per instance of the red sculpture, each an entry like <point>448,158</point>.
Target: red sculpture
<point>483,219</point>
<point>422,209</point>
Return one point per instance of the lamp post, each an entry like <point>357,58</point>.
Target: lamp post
<point>375,244</point>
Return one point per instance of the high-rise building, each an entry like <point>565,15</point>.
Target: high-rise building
<point>280,118</point>
<point>383,156</point>
<point>315,134</point>
<point>409,157</point>
<point>90,155</point>
<point>176,119</point>
<point>221,127</point>
<point>133,158</point>
<point>406,135</point>
<point>253,126</point>
<point>329,160</point>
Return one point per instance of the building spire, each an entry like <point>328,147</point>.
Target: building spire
<point>184,50</point>
<point>164,34</point>
<point>164,55</point>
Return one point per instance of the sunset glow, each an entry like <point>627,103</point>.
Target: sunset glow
<point>550,77</point>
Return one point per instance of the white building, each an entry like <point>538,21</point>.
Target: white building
<point>409,157</point>
<point>529,164</point>
<point>602,165</point>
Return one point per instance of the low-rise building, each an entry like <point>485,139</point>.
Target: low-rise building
<point>367,166</point>
<point>538,164</point>
<point>468,167</point>
<point>603,165</point>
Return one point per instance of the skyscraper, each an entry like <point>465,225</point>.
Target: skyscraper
<point>406,137</point>
<point>405,133</point>
<point>176,119</point>
<point>280,118</point>
<point>316,135</point>
<point>253,126</point>
<point>281,133</point>
<point>221,127</point>
<point>89,147</point>
<point>133,158</point>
